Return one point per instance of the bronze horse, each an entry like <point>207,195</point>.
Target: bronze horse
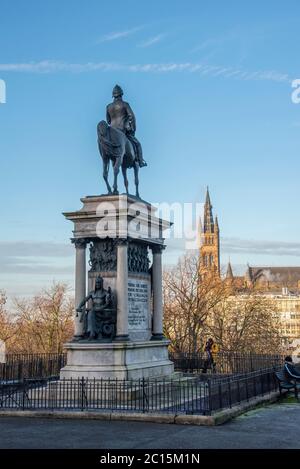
<point>114,146</point>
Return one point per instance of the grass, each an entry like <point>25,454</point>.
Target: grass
<point>288,399</point>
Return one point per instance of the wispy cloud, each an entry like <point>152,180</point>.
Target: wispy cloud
<point>35,257</point>
<point>35,248</point>
<point>272,248</point>
<point>51,66</point>
<point>152,40</point>
<point>208,43</point>
<point>118,34</point>
<point>213,45</point>
<point>48,66</point>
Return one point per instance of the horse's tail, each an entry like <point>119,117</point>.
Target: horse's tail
<point>110,147</point>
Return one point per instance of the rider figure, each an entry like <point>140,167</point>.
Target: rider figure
<point>120,116</point>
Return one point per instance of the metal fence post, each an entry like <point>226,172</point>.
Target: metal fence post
<point>82,391</point>
<point>251,362</point>
<point>229,393</point>
<point>238,391</point>
<point>23,395</point>
<point>208,389</point>
<point>247,390</point>
<point>262,383</point>
<point>254,386</point>
<point>220,395</point>
<point>143,394</point>
<point>20,371</point>
<point>269,383</point>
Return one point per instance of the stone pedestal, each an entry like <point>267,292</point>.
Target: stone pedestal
<point>122,233</point>
<point>121,360</point>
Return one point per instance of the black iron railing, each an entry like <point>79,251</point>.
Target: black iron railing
<point>48,365</point>
<point>187,395</point>
<point>224,363</point>
<point>144,395</point>
<point>229,391</point>
<point>41,365</point>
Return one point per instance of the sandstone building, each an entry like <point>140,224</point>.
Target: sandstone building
<point>280,284</point>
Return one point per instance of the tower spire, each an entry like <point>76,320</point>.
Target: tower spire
<point>207,197</point>
<point>210,241</point>
<point>208,216</point>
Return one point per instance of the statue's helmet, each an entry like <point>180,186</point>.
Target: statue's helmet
<point>117,91</point>
<point>99,283</point>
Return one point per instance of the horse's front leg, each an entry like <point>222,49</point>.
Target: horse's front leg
<point>124,171</point>
<point>105,174</point>
<point>116,172</point>
<point>136,178</point>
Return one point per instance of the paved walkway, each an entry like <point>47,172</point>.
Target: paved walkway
<point>275,426</point>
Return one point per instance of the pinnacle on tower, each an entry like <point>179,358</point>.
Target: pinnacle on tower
<point>248,275</point>
<point>200,227</point>
<point>216,224</point>
<point>229,273</point>
<point>200,232</point>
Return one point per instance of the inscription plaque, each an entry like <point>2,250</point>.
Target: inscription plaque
<point>138,305</point>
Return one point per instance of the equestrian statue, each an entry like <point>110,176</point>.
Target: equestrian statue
<point>118,144</point>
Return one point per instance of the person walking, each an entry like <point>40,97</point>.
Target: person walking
<point>209,361</point>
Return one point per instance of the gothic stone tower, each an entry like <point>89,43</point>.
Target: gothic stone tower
<point>209,241</point>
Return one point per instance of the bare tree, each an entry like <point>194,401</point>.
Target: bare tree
<point>188,300</point>
<point>8,327</point>
<point>197,307</point>
<point>245,322</point>
<point>45,322</point>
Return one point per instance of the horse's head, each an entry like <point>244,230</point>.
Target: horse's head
<point>102,129</point>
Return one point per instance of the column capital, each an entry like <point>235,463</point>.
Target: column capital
<point>80,243</point>
<point>157,248</point>
<point>122,241</point>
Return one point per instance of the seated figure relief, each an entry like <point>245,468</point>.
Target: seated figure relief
<point>100,319</point>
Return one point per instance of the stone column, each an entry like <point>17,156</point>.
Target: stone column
<point>122,290</point>
<point>80,283</point>
<point>157,328</point>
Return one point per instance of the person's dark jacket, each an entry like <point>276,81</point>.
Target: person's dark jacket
<point>291,372</point>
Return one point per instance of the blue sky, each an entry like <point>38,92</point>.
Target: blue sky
<point>210,84</point>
